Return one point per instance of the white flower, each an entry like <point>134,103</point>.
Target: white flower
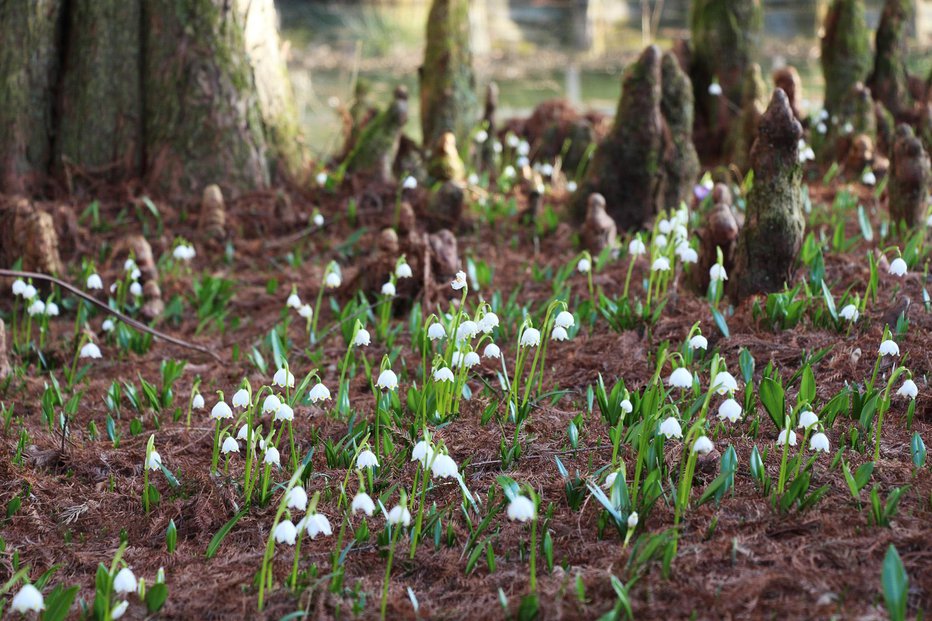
<point>183,252</point>
<point>387,380</point>
<point>285,532</point>
<point>388,289</point>
<point>806,154</point>
<point>129,265</point>
<point>284,412</point>
<point>584,266</point>
<point>715,89</point>
<point>90,350</point>
<point>283,378</point>
<point>660,241</point>
<point>241,398</point>
<point>443,374</point>
<point>444,466</point>
<point>135,289</point>
<point>154,462</point>
<point>908,389</point>
<point>850,313</point>
<point>670,428</point>
<point>306,312</point>
<point>665,226</point>
<point>366,459</point>
<point>729,409</point>
<point>29,292</point>
<point>781,439</point>
<point>508,172</point>
<point>125,581</point>
<point>847,128</point>
<point>610,480</point>
<point>521,509</point>
<point>481,136</point>
<point>488,322</point>
<point>571,186</point>
<point>636,247</point>
<point>315,524</point>
<point>36,308</point>
<point>107,325</point>
<point>897,267</point>
<point>633,520</point>
<point>819,442</point>
<point>119,610</point>
<point>703,445</point>
<point>626,406</point>
<point>889,348</point>
<point>272,457</point>
<point>28,598</point>
<point>512,141</point>
<point>436,332</point>
<point>822,128</point>
<point>333,280</point>
<point>93,282</point>
<point>471,359</point>
<point>362,502</point>
<point>318,393</point>
<point>230,445</point>
<point>530,337</point>
<point>492,351</point>
<point>422,452</point>
<point>297,498</point>
<point>51,309</point>
<point>564,319</point>
<point>197,403</point>
<point>717,272</point>
<point>869,178</point>
<point>399,515</point>
<point>318,219</point>
<point>321,178</point>
<point>724,383</point>
<point>243,432</point>
<point>403,270</point>
<point>807,419</point>
<point>688,255</point>
<point>524,148</point>
<point>559,334</point>
<point>546,170</point>
<point>698,342</point>
<point>362,338</point>
<point>460,281</point>
<point>19,287</point>
<point>467,330</point>
<point>409,183</point>
<point>269,406</point>
<point>661,264</point>
<point>293,301</point>
<point>680,378</point>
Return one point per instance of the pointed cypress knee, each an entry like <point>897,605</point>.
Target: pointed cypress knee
<point>626,166</point>
<point>889,82</point>
<point>910,178</point>
<point>447,82</point>
<point>846,50</point>
<point>374,152</point>
<point>744,131</point>
<point>773,231</point>
<point>680,160</point>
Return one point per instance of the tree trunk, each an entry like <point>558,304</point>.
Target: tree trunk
<point>180,93</point>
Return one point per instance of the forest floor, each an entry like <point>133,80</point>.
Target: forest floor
<point>743,558</point>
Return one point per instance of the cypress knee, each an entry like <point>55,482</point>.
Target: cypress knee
<point>680,162</point>
<point>910,178</point>
<point>889,82</point>
<point>753,104</point>
<point>773,231</point>
<point>846,50</point>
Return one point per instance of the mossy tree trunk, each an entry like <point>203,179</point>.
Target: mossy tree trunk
<point>846,50</point>
<point>180,93</point>
<point>889,82</point>
<point>447,82</point>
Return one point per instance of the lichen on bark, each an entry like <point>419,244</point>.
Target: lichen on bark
<point>773,231</point>
<point>846,51</point>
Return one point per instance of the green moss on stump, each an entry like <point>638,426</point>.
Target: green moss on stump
<point>846,50</point>
<point>680,160</point>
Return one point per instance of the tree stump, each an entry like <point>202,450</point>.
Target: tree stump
<point>910,179</point>
<point>846,50</point>
<point>889,82</point>
<point>29,234</point>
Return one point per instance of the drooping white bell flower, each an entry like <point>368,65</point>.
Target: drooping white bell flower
<point>119,610</point>
<point>807,419</point>
<point>403,270</point>
<point>197,403</point>
<point>636,247</point>
<point>869,178</point>
<point>467,330</point>
<point>135,289</point>
<point>284,412</point>
<point>94,281</point>
<point>321,178</point>
<point>399,515</point>
<point>19,287</point>
<point>107,325</point>
<point>286,532</point>
<point>782,438</point>
<point>661,241</point>
<point>661,264</point>
<point>819,442</point>
<point>444,466</point>
<point>688,255</point>
<point>521,509</point>
<point>241,398</point>
<point>530,338</point>
<point>366,459</point>
<point>90,350</point>
<point>230,445</point>
<point>362,502</point>
<point>849,313</point>
<point>665,226</point>
<point>388,289</point>
<point>317,219</point>
<point>387,380</point>
<point>409,183</point>
<point>610,480</point>
<point>471,359</point>
<point>30,292</point>
<point>272,456</point>
<point>626,406</point>
<point>319,393</point>
<point>898,267</point>
<point>305,312</point>
<point>889,348</point>
<point>715,89</point>
<point>443,374</point>
<point>332,280</point>
<point>28,599</point>
<point>717,272</point>
<point>724,383</point>
<point>633,520</point>
<point>680,378</point>
<point>670,428</point>
<point>283,378</point>
<point>571,186</point>
<point>297,498</point>
<point>908,389</point>
<point>729,409</point>
<point>492,351</point>
<point>436,332</point>
<point>270,405</point>
<point>422,452</point>
<point>564,319</point>
<point>703,445</point>
<point>488,322</point>
<point>36,308</point>
<point>584,266</point>
<point>698,342</point>
<point>51,309</point>
<point>184,252</point>
<point>559,334</point>
<point>460,281</point>
<point>154,461</point>
<point>125,581</point>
